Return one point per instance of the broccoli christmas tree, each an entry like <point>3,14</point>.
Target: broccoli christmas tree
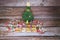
<point>27,15</point>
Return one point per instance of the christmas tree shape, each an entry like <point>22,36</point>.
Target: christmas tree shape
<point>27,15</point>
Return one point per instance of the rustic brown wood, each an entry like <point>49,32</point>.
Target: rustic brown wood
<point>31,38</point>
<point>49,15</point>
<point>35,10</point>
<point>33,2</point>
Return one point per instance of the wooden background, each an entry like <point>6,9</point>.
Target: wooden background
<point>33,2</point>
<point>30,38</point>
<point>48,11</point>
<point>50,16</point>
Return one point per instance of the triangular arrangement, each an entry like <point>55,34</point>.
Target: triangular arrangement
<point>28,24</point>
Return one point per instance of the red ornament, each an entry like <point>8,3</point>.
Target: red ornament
<point>41,23</point>
<point>35,21</point>
<point>39,31</point>
<point>6,24</point>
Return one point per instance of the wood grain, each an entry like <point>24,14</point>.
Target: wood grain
<point>49,15</point>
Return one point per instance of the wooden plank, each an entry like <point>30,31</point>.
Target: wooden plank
<point>46,23</point>
<point>36,11</point>
<point>31,38</point>
<point>49,15</point>
<point>33,3</point>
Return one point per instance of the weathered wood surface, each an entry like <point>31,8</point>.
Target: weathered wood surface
<point>49,15</point>
<point>30,38</point>
<point>37,11</point>
<point>33,2</point>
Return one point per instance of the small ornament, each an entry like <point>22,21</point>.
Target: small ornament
<point>19,25</point>
<point>6,24</point>
<point>41,31</point>
<point>28,30</point>
<point>34,30</point>
<point>23,24</point>
<point>17,29</point>
<point>35,22</point>
<point>28,4</point>
<point>33,26</point>
<point>41,23</point>
<point>8,28</point>
<point>28,26</point>
<point>37,28</point>
<point>13,23</point>
<point>44,29</point>
<point>23,29</point>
